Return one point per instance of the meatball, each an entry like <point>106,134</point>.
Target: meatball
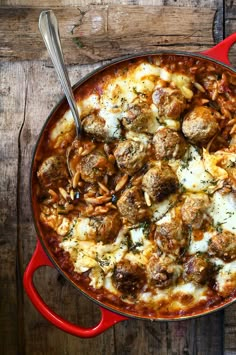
<point>200,124</point>
<point>129,278</point>
<point>137,118</point>
<point>53,171</point>
<point>132,205</point>
<point>107,227</point>
<point>95,125</point>
<point>171,237</point>
<point>159,182</point>
<point>223,246</point>
<point>169,102</point>
<point>162,272</point>
<point>193,210</point>
<point>94,166</point>
<point>130,156</point>
<point>168,144</point>
<point>198,269</point>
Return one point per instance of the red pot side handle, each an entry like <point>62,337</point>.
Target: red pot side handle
<point>221,50</point>
<point>108,318</point>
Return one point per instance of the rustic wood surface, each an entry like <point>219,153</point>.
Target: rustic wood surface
<point>29,89</point>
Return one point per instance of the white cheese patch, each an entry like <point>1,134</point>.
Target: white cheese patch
<point>112,123</point>
<point>97,277</point>
<point>217,261</point>
<point>183,82</point>
<point>81,229</point>
<point>201,246</point>
<point>210,162</point>
<point>223,211</point>
<point>198,292</point>
<point>152,125</point>
<point>109,257</point>
<point>70,245</point>
<point>108,285</point>
<point>137,235</point>
<point>138,137</point>
<point>82,253</point>
<point>137,258</point>
<point>158,295</point>
<point>88,105</point>
<point>84,262</point>
<point>191,172</point>
<point>64,226</point>
<point>172,124</point>
<point>226,278</point>
<point>63,126</point>
<point>161,208</point>
<point>141,247</point>
<point>146,69</point>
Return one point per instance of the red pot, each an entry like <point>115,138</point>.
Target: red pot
<point>42,257</point>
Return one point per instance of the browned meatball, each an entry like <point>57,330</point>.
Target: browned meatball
<point>129,278</point>
<point>132,205</point>
<point>223,246</point>
<point>171,237</point>
<point>193,209</point>
<point>159,182</point>
<point>168,144</point>
<point>198,269</point>
<point>94,166</point>
<point>170,102</point>
<point>136,118</point>
<point>53,171</point>
<point>161,271</point>
<point>130,156</point>
<point>200,124</point>
<point>94,125</point>
<point>107,227</point>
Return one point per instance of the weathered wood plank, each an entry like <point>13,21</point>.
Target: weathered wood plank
<point>59,3</point>
<point>230,330</point>
<point>230,26</point>
<point>94,33</point>
<point>12,103</point>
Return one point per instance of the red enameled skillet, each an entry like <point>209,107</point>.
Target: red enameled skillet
<point>43,257</point>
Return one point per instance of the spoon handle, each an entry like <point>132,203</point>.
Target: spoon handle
<point>48,27</point>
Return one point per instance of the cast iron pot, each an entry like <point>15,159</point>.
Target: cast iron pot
<point>43,257</point>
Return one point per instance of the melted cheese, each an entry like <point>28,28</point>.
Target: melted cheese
<point>192,174</point>
<point>200,246</point>
<point>197,172</point>
<point>138,137</point>
<point>210,162</point>
<point>226,279</point>
<point>64,126</point>
<point>161,208</point>
<point>88,105</point>
<point>223,211</point>
<point>112,123</point>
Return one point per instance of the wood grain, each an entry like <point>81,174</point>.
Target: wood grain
<point>93,33</point>
<point>12,103</point>
<point>230,26</point>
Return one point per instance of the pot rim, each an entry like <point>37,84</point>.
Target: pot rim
<point>47,251</point>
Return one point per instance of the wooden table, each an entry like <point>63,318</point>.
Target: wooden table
<point>29,89</point>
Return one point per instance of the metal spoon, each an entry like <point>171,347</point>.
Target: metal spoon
<point>48,27</point>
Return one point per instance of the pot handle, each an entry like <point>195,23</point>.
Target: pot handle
<point>108,318</point>
<point>221,50</point>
